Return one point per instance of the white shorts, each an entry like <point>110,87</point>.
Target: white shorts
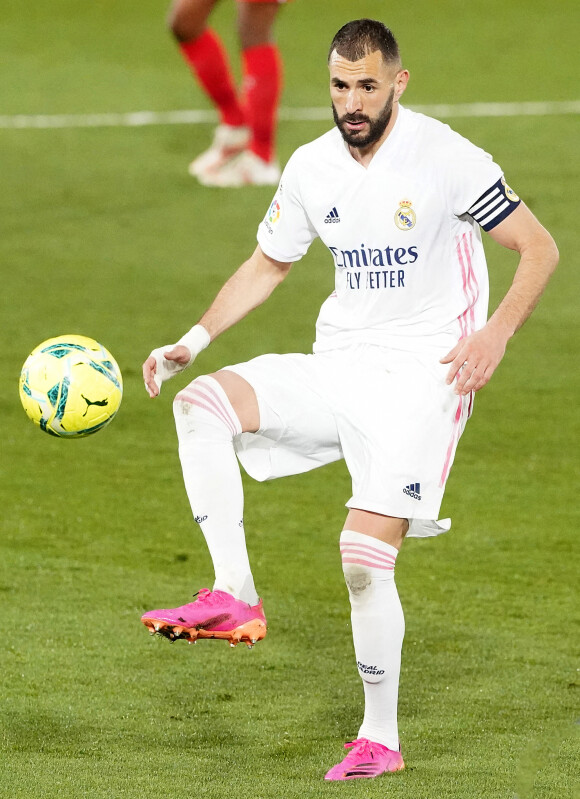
<point>389,414</point>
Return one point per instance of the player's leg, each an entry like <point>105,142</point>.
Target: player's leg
<point>209,413</point>
<point>273,397</point>
<point>288,428</point>
<point>203,51</point>
<point>262,84</point>
<point>262,68</point>
<point>187,19</point>
<point>369,545</point>
<point>397,446</point>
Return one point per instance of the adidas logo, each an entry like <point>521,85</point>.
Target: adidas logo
<point>332,216</point>
<point>413,491</point>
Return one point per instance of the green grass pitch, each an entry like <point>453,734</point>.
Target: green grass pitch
<point>104,234</point>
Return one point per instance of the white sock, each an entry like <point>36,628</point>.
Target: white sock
<point>378,627</point>
<point>206,425</point>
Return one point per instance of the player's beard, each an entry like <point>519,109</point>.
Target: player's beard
<point>377,126</point>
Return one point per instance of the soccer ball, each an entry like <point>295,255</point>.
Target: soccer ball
<point>70,386</point>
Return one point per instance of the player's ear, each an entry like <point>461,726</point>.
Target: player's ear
<point>400,83</point>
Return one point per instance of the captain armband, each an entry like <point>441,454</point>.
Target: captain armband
<point>494,205</point>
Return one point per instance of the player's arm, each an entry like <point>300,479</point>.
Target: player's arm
<point>474,359</point>
<point>245,290</point>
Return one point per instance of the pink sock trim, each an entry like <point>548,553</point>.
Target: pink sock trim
<point>204,396</point>
<point>365,555</point>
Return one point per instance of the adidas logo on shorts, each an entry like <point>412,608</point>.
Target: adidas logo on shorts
<point>413,491</point>
<point>331,216</point>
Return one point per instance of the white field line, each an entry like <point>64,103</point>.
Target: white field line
<point>137,119</point>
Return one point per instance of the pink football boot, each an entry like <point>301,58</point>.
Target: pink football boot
<point>214,614</point>
<point>366,759</point>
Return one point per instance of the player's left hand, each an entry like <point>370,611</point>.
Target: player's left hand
<point>474,359</point>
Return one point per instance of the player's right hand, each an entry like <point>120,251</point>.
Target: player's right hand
<point>163,363</point>
<point>166,362</point>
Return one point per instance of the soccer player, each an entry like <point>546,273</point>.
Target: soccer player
<point>243,148</point>
<point>402,344</point>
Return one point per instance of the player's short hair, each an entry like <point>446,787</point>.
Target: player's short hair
<point>360,37</point>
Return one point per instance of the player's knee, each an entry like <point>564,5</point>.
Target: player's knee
<point>255,24</point>
<point>184,26</point>
<point>204,406</point>
<point>183,32</point>
<point>188,402</point>
<point>358,579</point>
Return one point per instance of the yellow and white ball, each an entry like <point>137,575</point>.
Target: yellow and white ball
<point>71,386</point>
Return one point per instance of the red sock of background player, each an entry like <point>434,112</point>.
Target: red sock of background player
<point>262,68</point>
<point>208,60</point>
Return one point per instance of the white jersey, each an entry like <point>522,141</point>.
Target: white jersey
<point>410,271</point>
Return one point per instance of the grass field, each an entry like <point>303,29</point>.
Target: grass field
<point>105,234</point>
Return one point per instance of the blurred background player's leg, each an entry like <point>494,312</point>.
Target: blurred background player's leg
<point>261,88</point>
<point>262,69</point>
<point>243,149</point>
<point>203,51</point>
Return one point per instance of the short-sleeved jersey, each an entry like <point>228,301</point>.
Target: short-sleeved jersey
<point>403,233</point>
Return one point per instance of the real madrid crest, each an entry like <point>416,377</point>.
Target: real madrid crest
<point>510,193</point>
<point>405,217</point>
